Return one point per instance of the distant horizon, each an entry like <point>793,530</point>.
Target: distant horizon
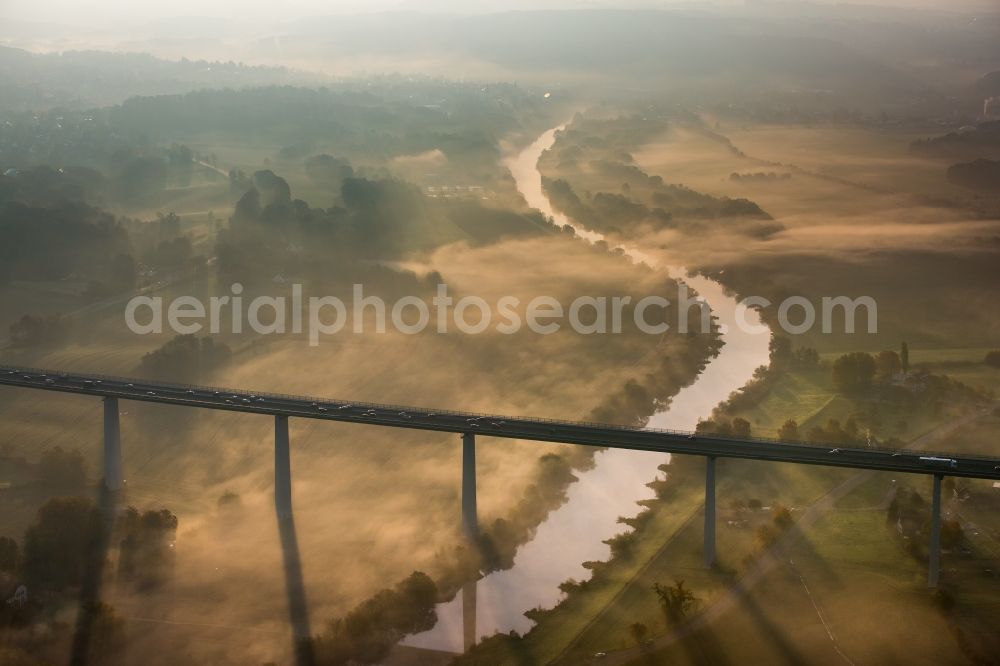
<point>57,12</point>
<point>226,30</point>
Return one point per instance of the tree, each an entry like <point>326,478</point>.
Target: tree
<point>107,631</point>
<point>887,364</point>
<point>904,357</point>
<point>184,357</point>
<point>766,535</point>
<point>781,516</point>
<point>741,427</point>
<point>570,585</point>
<point>676,601</point>
<point>639,632</point>
<point>273,189</point>
<point>789,431</point>
<point>852,373</point>
<point>738,427</point>
<point>64,240</point>
<point>944,600</point>
<point>917,502</point>
<point>816,435</point>
<point>239,184</point>
<point>33,330</point>
<point>56,545</point>
<point>835,433</point>
<point>366,634</point>
<point>8,554</point>
<point>140,177</point>
<point>980,174</point>
<point>711,427</point>
<point>807,357</point>
<point>147,549</point>
<point>168,226</point>
<point>951,534</point>
<point>123,272</point>
<point>179,155</point>
<point>780,349</point>
<point>621,544</point>
<point>328,170</point>
<point>171,254</point>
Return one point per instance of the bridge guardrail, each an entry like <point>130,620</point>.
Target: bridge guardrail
<point>244,393</point>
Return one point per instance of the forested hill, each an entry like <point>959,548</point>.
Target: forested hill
<point>84,79</point>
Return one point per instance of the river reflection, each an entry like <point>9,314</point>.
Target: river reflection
<point>574,533</point>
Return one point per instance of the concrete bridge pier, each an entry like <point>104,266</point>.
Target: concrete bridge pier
<point>934,549</point>
<point>109,493</point>
<point>298,611</point>
<point>282,469</point>
<point>710,511</point>
<point>112,481</point>
<point>470,520</point>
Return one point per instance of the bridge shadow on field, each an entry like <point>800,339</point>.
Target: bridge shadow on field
<point>809,560</point>
<point>767,630</point>
<point>298,613</point>
<point>704,647</point>
<point>90,607</point>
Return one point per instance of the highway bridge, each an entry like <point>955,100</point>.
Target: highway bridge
<point>536,429</point>
<point>469,425</point>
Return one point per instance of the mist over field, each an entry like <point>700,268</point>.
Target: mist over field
<point>535,200</point>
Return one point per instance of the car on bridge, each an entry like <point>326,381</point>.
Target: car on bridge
<point>935,461</point>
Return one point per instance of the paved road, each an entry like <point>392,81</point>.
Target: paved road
<point>531,429</point>
<point>212,167</point>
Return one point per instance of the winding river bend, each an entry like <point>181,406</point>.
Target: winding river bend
<point>574,533</point>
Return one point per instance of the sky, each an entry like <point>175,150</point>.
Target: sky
<point>108,15</point>
<point>92,12</point>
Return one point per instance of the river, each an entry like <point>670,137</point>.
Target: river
<point>574,533</point>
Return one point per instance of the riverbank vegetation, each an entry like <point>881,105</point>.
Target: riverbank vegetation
<point>758,503</point>
<point>330,213</point>
<point>835,389</point>
<point>59,558</point>
<point>591,177</point>
<point>822,152</point>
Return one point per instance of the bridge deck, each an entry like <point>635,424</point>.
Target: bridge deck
<point>537,429</point>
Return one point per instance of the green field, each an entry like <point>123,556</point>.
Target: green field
<point>852,540</point>
<point>848,578</point>
<point>678,557</point>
